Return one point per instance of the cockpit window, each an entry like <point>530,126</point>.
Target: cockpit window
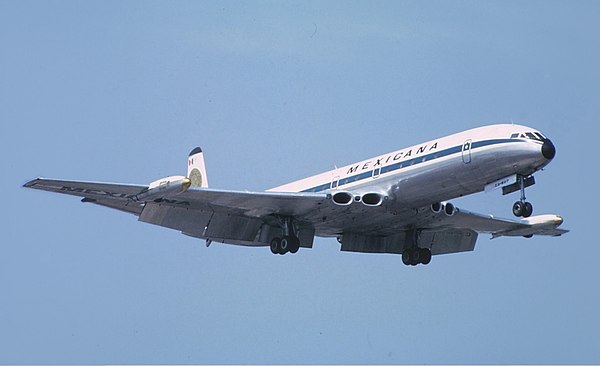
<point>529,135</point>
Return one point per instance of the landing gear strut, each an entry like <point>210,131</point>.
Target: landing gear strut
<point>522,207</point>
<point>289,243</point>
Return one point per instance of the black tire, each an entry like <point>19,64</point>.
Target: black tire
<point>415,256</point>
<point>406,257</point>
<point>527,209</point>
<point>285,244</point>
<point>276,245</point>
<point>425,256</point>
<point>518,209</point>
<point>294,244</point>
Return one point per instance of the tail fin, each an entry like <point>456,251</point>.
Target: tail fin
<point>196,168</point>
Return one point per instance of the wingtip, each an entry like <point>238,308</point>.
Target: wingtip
<point>31,183</point>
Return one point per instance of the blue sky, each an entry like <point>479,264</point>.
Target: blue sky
<point>272,92</point>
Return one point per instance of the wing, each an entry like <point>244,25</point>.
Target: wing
<point>113,195</point>
<point>254,218</point>
<point>235,217</point>
<point>445,231</point>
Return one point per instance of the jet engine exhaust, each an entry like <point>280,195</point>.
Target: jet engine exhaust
<point>342,198</point>
<point>372,199</point>
<point>449,209</point>
<point>437,207</point>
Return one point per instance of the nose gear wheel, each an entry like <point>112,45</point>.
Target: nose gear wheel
<point>522,208</point>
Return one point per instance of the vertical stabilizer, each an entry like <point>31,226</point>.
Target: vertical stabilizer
<point>196,168</point>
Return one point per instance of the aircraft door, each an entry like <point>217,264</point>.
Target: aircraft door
<point>334,182</point>
<point>466,151</point>
<point>376,173</point>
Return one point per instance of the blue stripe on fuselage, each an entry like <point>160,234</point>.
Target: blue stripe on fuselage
<point>410,162</point>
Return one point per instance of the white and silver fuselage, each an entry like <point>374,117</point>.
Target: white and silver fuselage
<point>392,203</point>
<point>450,167</point>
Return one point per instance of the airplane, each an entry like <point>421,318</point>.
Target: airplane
<point>395,203</point>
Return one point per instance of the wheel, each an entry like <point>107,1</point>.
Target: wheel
<point>518,209</point>
<point>285,244</point>
<point>406,257</point>
<point>275,245</point>
<point>425,256</point>
<point>527,209</point>
<point>529,236</point>
<point>294,244</point>
<point>415,256</point>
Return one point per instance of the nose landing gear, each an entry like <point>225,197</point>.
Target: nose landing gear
<point>522,208</point>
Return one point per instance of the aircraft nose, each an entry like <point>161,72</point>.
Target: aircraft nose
<point>548,149</point>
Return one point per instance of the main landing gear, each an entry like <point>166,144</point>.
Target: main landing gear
<point>414,256</point>
<point>522,208</point>
<point>289,243</point>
